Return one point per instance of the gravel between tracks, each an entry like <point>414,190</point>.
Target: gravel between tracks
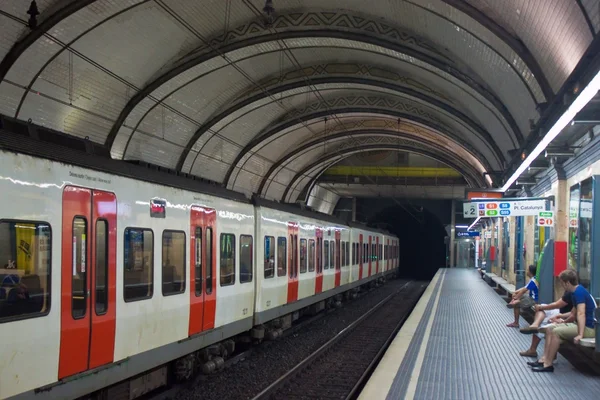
<point>271,360</point>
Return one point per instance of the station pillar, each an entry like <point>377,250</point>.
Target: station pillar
<point>561,223</point>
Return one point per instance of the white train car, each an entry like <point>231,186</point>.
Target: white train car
<point>110,271</point>
<point>107,268</point>
<point>303,260</point>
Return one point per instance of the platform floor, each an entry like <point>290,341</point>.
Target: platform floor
<point>455,345</point>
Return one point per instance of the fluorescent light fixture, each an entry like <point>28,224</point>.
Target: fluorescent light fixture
<point>584,97</point>
<point>473,224</point>
<point>461,226</point>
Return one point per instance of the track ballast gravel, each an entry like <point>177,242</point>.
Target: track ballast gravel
<point>271,360</point>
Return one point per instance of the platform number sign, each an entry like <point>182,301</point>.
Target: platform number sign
<point>469,210</point>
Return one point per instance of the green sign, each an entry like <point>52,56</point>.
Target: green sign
<point>546,214</point>
<point>491,213</point>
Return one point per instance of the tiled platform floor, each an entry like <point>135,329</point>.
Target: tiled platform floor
<point>456,345</point>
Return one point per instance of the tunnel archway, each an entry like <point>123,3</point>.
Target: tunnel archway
<point>421,236</point>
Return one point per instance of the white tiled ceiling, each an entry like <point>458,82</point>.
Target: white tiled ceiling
<point>85,71</point>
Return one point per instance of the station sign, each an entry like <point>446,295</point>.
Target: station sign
<point>545,219</point>
<point>468,234</point>
<point>507,208</point>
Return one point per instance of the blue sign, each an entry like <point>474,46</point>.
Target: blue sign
<point>482,206</point>
<point>467,234</point>
<point>504,212</point>
<point>504,205</point>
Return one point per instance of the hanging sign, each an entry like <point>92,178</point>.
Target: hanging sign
<point>545,219</point>
<point>508,208</point>
<point>468,234</point>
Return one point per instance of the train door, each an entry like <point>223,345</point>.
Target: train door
<point>377,254</point>
<point>88,280</point>
<point>292,262</point>
<point>370,254</point>
<point>203,265</point>
<point>319,255</point>
<point>360,256</point>
<point>338,259</point>
<point>387,255</point>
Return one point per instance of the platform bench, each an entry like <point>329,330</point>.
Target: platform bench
<point>588,342</point>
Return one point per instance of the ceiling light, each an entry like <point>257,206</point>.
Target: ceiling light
<point>473,224</point>
<point>461,226</point>
<point>560,153</point>
<point>584,97</point>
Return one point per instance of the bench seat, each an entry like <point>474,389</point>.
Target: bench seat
<point>508,287</point>
<point>588,342</point>
<point>499,281</point>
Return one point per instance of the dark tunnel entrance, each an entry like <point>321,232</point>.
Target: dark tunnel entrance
<point>421,236</point>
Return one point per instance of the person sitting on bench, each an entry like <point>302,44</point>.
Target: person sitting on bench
<point>580,323</point>
<point>519,299</point>
<point>546,314</point>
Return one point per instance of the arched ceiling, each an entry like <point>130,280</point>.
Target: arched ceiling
<point>207,88</point>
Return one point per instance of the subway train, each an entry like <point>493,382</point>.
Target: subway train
<point>111,279</point>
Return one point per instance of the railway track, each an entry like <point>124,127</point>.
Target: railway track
<point>340,368</point>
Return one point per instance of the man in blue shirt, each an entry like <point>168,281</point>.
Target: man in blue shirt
<point>520,301</point>
<point>580,324</point>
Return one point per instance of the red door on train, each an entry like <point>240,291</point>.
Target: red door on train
<point>387,255</point>
<point>376,254</point>
<point>203,265</point>
<point>292,294</point>
<point>370,253</point>
<point>88,280</point>
<point>360,256</point>
<point>319,255</point>
<point>338,259</point>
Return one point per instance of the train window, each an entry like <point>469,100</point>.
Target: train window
<point>343,254</point>
<point>80,265</point>
<point>246,266</point>
<point>303,256</point>
<point>347,253</point>
<point>281,256</point>
<point>311,255</point>
<point>365,253</point>
<point>293,256</point>
<point>173,262</point>
<point>326,254</point>
<point>338,254</point>
<point>353,253</point>
<point>227,259</point>
<point>138,261</point>
<point>198,261</point>
<point>332,247</point>
<point>269,257</point>
<point>25,251</point>
<point>101,284</point>
<point>208,260</point>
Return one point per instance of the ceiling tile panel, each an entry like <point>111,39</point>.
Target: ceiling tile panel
<point>120,142</point>
<point>592,7</point>
<point>33,59</point>
<point>65,118</point>
<point>136,43</point>
<point>555,31</point>
<point>163,123</point>
<point>275,191</point>
<point>10,32</point>
<point>9,98</point>
<point>152,150</point>
<point>209,168</point>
